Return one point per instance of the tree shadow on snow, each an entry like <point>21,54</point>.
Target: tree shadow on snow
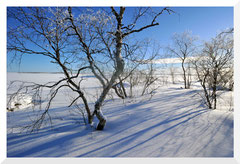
<point>123,134</point>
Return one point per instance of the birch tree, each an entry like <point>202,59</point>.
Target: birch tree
<point>43,31</point>
<point>215,64</point>
<point>73,41</point>
<point>183,47</point>
<point>118,34</point>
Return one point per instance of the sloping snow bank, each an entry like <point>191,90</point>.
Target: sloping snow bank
<point>173,123</point>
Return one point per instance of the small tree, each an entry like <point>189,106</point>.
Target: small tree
<point>215,63</point>
<point>172,73</point>
<point>183,47</point>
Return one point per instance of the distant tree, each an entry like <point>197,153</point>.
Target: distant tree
<point>172,73</point>
<point>183,47</point>
<point>214,67</point>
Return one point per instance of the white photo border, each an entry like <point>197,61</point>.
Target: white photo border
<point>171,3</point>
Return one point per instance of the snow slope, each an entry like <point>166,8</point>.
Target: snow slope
<point>172,124</point>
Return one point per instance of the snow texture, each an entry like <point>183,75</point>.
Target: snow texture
<point>173,123</point>
<point>21,101</point>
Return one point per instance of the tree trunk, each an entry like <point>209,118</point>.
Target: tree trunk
<point>215,90</point>
<point>184,75</point>
<point>189,76</point>
<point>123,88</point>
<point>90,117</point>
<point>207,96</point>
<point>203,84</point>
<point>98,104</point>
<point>117,92</point>
<point>119,69</point>
<point>102,119</point>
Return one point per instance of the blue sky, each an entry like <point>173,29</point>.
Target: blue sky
<point>204,22</point>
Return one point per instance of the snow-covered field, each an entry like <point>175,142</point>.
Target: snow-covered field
<point>174,123</point>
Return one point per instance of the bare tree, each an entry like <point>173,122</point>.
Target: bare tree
<point>133,55</point>
<point>46,29</point>
<point>72,42</point>
<point>183,47</point>
<point>119,33</point>
<point>139,69</point>
<point>172,73</point>
<point>215,63</point>
<point>150,78</point>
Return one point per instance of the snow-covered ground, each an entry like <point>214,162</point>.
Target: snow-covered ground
<point>174,123</point>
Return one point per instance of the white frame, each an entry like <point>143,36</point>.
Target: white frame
<point>216,3</point>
